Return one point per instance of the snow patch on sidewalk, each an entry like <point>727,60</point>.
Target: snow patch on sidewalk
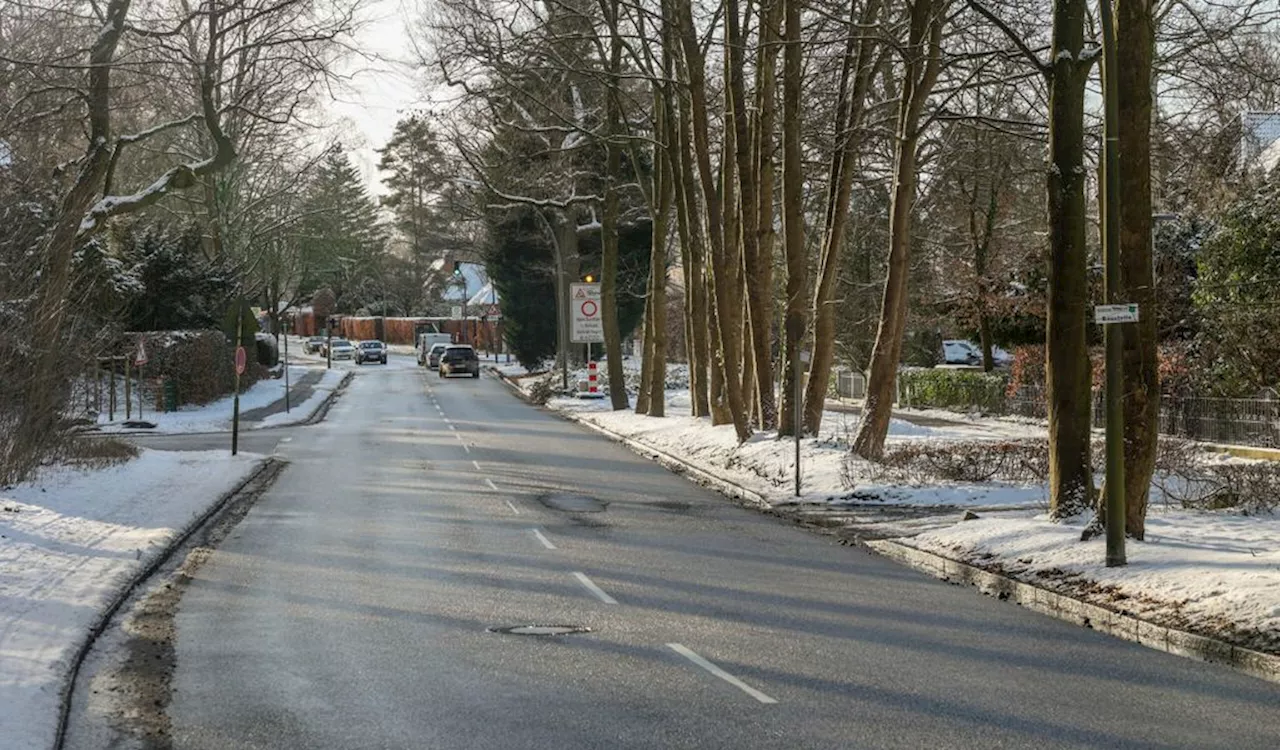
<point>68,543</point>
<point>1216,572</point>
<point>329,383</point>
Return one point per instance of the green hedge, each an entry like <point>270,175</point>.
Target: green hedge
<point>952,389</point>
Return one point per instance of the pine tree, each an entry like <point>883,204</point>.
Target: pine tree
<point>342,238</point>
<point>417,177</point>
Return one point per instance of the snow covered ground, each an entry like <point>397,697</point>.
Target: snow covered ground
<point>1215,571</point>
<point>1212,572</point>
<point>216,415</point>
<point>68,542</point>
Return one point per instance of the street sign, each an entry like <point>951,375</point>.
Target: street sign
<point>241,360</point>
<point>140,357</point>
<point>1107,314</point>
<point>493,311</point>
<point>456,313</point>
<point>585,323</point>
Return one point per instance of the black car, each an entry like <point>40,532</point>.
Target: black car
<point>459,360</point>
<point>371,351</point>
<point>314,344</point>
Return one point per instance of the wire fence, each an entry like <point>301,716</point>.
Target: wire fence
<point>1239,421</point>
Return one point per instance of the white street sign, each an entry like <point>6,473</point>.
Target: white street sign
<point>140,357</point>
<point>457,312</point>
<point>585,323</point>
<point>1105,314</point>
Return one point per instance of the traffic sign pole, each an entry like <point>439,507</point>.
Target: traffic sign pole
<point>240,364</point>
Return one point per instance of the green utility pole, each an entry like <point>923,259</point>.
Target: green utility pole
<point>1114,334</point>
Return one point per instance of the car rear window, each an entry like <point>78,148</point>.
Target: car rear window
<point>371,345</point>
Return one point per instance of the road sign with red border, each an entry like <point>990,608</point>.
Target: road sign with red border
<point>242,359</point>
<point>585,324</point>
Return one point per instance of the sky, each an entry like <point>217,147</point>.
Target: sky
<point>381,89</point>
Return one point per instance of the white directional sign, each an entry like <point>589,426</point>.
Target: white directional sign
<point>585,323</point>
<point>1104,314</point>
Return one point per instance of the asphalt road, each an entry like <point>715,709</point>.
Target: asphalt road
<point>351,609</point>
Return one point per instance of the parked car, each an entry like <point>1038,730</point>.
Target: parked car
<point>371,351</point>
<point>961,352</point>
<point>341,349</point>
<point>459,360</point>
<point>433,355</point>
<point>314,345</point>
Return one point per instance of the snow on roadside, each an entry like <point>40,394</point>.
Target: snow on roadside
<point>69,542</point>
<point>1216,572</point>
<point>766,465</point>
<point>215,416</point>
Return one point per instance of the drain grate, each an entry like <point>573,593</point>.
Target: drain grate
<point>541,630</point>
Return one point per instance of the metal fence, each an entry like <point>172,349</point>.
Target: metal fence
<point>850,384</point>
<point>1240,421</point>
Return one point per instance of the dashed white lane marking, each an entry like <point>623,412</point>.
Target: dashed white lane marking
<point>286,439</point>
<point>513,508</point>
<point>489,482</point>
<point>465,447</point>
<point>477,465</point>
<point>453,427</point>
<point>594,589</point>
<point>718,672</point>
<point>545,541</point>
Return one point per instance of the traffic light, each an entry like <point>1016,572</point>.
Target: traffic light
<point>457,269</point>
<point>589,278</point>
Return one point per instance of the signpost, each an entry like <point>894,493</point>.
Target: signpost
<point>139,361</point>
<point>585,324</point>
<point>241,361</point>
<point>1108,314</point>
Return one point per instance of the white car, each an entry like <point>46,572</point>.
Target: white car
<point>342,349</point>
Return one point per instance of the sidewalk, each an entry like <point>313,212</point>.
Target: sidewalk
<point>299,391</point>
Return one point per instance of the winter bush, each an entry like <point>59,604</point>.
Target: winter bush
<point>200,363</point>
<point>949,388</point>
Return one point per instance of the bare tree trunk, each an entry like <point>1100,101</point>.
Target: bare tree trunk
<point>655,364</point>
<point>694,253</point>
<point>792,215</point>
<point>849,108</point>
<point>1135,31</point>
<point>922,65</point>
<point>1067,371</point>
<point>609,223</point>
<point>752,152</point>
<point>767,104</point>
<point>722,298</point>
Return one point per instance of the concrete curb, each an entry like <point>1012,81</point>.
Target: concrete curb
<point>266,470</point>
<point>1126,627</point>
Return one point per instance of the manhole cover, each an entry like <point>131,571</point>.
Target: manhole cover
<point>541,630</point>
<point>572,503</point>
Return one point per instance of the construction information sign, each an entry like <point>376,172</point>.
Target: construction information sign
<point>585,324</point>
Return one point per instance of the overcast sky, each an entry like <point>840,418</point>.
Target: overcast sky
<point>380,90</point>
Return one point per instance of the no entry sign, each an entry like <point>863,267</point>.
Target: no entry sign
<point>241,360</point>
<point>585,326</point>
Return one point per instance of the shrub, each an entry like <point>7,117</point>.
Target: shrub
<point>948,388</point>
<point>201,363</point>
